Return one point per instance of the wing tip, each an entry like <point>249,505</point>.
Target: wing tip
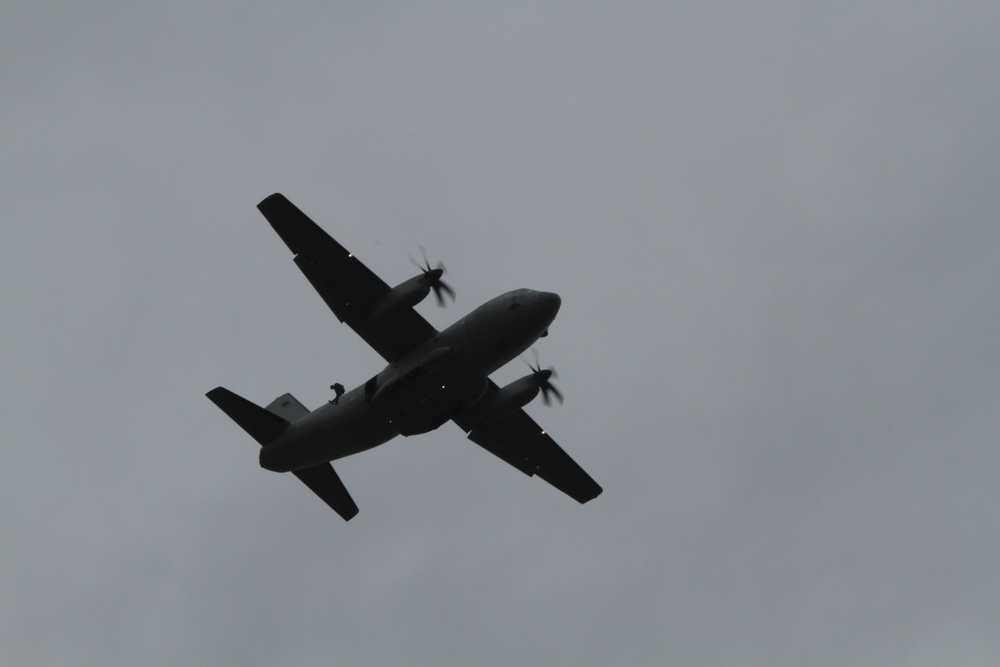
<point>593,494</point>
<point>294,227</point>
<point>275,198</point>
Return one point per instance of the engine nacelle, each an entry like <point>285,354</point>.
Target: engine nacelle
<point>405,295</point>
<point>512,397</point>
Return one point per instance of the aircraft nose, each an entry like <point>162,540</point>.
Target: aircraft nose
<point>551,302</point>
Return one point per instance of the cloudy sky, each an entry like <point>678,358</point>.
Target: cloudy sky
<point>774,229</point>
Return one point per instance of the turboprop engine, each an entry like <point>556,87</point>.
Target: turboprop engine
<point>411,292</point>
<point>519,393</point>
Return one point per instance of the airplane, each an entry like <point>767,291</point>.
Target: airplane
<point>431,376</point>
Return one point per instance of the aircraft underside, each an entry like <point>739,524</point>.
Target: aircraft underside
<point>431,377</point>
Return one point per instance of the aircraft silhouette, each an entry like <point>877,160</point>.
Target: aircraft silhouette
<point>432,376</point>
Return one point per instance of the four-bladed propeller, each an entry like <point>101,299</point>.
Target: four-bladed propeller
<point>432,277</point>
<point>542,377</point>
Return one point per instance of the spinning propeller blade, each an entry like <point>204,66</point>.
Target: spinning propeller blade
<point>542,377</point>
<point>433,277</point>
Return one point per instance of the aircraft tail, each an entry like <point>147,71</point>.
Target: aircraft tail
<point>265,424</point>
<point>287,407</point>
<point>262,424</point>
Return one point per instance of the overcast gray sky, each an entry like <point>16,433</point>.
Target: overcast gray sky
<point>774,229</point>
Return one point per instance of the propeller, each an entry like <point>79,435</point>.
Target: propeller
<point>542,377</point>
<point>433,277</point>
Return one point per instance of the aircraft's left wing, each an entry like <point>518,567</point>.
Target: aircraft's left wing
<point>519,441</point>
<point>349,288</point>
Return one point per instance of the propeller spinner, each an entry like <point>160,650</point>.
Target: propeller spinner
<point>542,377</point>
<point>432,277</point>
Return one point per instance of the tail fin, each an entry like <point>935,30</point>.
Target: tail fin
<point>287,407</point>
<point>264,426</point>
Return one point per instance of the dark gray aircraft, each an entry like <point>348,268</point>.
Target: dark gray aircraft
<point>431,377</point>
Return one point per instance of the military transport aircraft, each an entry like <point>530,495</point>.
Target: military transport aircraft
<point>431,377</point>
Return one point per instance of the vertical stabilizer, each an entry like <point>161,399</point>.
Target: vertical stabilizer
<point>287,407</point>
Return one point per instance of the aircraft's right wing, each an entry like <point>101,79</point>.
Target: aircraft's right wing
<point>349,287</point>
<point>519,441</point>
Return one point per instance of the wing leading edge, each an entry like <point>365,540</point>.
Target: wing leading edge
<point>347,286</point>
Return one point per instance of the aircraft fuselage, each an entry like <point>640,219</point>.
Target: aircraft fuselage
<point>421,391</point>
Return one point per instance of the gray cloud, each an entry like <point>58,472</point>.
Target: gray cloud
<point>773,232</point>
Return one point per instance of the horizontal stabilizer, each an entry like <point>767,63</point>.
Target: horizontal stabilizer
<point>325,483</point>
<point>264,426</point>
